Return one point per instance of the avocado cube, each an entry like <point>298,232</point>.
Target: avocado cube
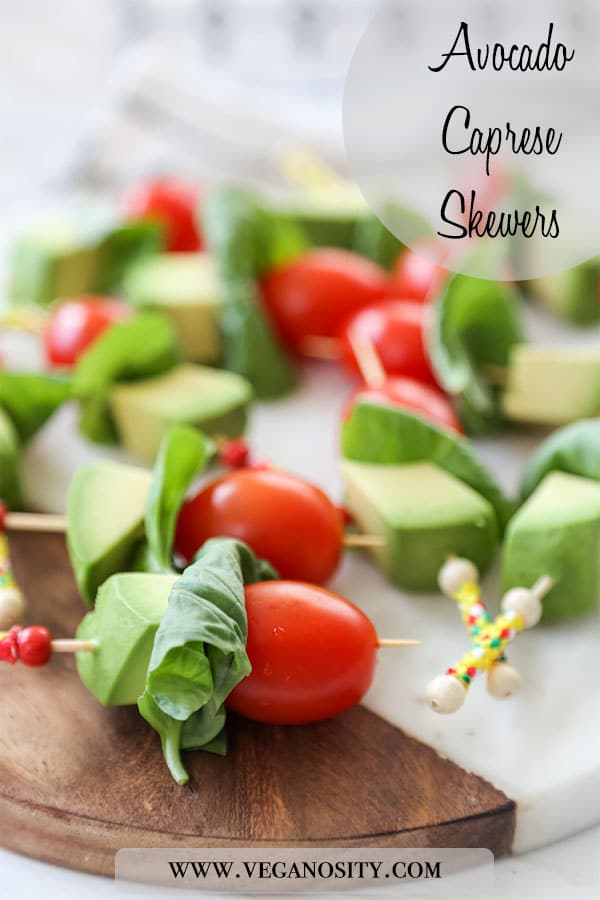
<point>213,400</point>
<point>186,288</point>
<point>10,478</point>
<point>557,533</point>
<point>328,214</point>
<point>424,514</point>
<point>552,385</point>
<point>50,262</point>
<point>128,610</point>
<point>573,294</point>
<point>106,507</point>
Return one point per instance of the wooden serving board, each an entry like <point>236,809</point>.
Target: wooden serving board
<point>78,782</point>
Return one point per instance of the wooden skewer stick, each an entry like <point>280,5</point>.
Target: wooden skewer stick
<point>369,362</point>
<point>73,645</point>
<point>43,522</point>
<point>542,586</point>
<point>397,642</point>
<point>318,347</point>
<point>363,540</point>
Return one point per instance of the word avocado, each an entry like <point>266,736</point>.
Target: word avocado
<point>518,59</point>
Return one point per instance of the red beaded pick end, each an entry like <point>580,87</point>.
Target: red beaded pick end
<point>32,646</point>
<point>235,454</point>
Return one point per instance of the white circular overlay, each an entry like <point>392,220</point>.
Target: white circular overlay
<point>473,130</point>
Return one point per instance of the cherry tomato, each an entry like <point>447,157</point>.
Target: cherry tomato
<point>416,277</point>
<point>396,329</point>
<point>312,653</point>
<point>284,519</point>
<point>76,323</point>
<point>412,395</point>
<point>173,203</point>
<point>312,295</point>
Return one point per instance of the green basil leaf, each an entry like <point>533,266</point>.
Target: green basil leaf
<point>199,652</point>
<point>183,453</point>
<point>377,433</point>
<point>29,399</point>
<point>250,346</point>
<point>476,322</point>
<point>10,476</point>
<point>574,449</point>
<point>141,347</point>
<point>124,246</point>
<point>247,241</point>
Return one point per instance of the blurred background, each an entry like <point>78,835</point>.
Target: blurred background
<point>96,91</point>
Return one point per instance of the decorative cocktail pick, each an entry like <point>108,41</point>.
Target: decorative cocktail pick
<point>521,609</point>
<point>12,601</point>
<point>34,645</point>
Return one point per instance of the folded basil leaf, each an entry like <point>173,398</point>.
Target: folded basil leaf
<point>373,240</point>
<point>29,399</point>
<point>124,246</point>
<point>247,241</point>
<point>476,322</point>
<point>199,652</point>
<point>183,453</point>
<point>251,349</point>
<point>138,348</point>
<point>574,449</point>
<point>377,433</point>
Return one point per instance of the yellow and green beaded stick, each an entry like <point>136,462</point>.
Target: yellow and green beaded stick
<point>521,609</point>
<point>12,602</point>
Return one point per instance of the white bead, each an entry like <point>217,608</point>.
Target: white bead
<point>12,607</point>
<point>445,694</point>
<point>454,573</point>
<point>522,601</point>
<point>503,681</point>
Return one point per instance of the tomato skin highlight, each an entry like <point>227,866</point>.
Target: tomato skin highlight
<point>173,203</point>
<point>412,395</point>
<point>312,295</point>
<point>396,329</point>
<point>75,324</point>
<point>313,654</point>
<point>283,518</point>
<point>415,277</point>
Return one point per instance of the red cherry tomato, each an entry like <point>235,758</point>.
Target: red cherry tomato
<point>173,203</point>
<point>35,646</point>
<point>416,277</point>
<point>283,518</point>
<point>311,296</point>
<point>312,652</point>
<point>412,395</point>
<point>396,329</point>
<point>76,323</point>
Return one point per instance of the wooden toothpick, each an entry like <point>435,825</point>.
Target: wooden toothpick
<point>397,642</point>
<point>41,522</point>
<point>364,540</point>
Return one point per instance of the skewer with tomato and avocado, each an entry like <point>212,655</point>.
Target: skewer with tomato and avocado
<point>224,634</point>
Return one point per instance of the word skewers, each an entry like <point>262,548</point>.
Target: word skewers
<point>521,609</point>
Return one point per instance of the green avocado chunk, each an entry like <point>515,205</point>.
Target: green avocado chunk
<point>106,507</point>
<point>557,533</point>
<point>572,295</point>
<point>552,385</point>
<point>64,257</point>
<point>210,399</point>
<point>10,478</point>
<point>185,287</point>
<point>328,214</point>
<point>424,514</point>
<point>128,610</point>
